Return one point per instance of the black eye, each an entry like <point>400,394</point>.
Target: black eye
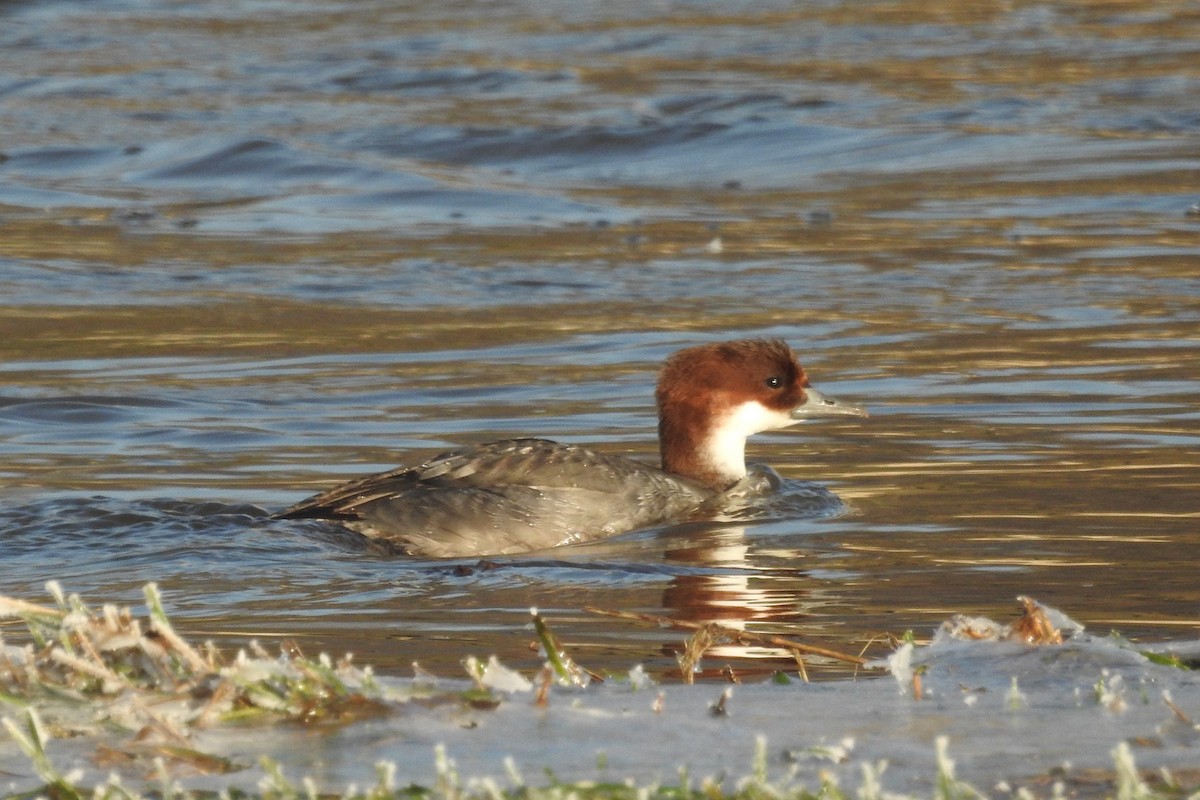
<point>774,382</point>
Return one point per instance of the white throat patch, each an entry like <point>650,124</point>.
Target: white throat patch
<point>726,448</point>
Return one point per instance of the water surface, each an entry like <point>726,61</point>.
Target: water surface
<point>251,249</point>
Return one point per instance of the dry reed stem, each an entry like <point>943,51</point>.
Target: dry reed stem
<point>741,637</point>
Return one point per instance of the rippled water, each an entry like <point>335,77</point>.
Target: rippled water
<point>250,249</point>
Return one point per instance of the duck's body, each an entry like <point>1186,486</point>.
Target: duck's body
<point>505,497</point>
<point>529,494</point>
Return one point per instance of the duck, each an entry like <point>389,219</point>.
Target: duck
<point>529,494</point>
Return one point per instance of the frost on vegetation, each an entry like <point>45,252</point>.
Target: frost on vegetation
<point>560,667</point>
<point>91,672</point>
<point>494,675</point>
<point>949,787</point>
<point>639,679</point>
<point>838,753</point>
<point>450,785</point>
<point>1110,691</point>
<point>1037,625</point>
<point>1014,698</point>
<point>899,663</point>
<point>110,668</point>
<point>98,672</point>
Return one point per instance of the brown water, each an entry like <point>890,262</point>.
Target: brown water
<point>248,250</point>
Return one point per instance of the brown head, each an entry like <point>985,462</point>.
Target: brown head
<point>711,397</point>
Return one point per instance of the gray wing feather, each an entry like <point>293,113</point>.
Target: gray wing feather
<point>509,496</point>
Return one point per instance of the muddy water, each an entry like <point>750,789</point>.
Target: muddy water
<point>248,250</point>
